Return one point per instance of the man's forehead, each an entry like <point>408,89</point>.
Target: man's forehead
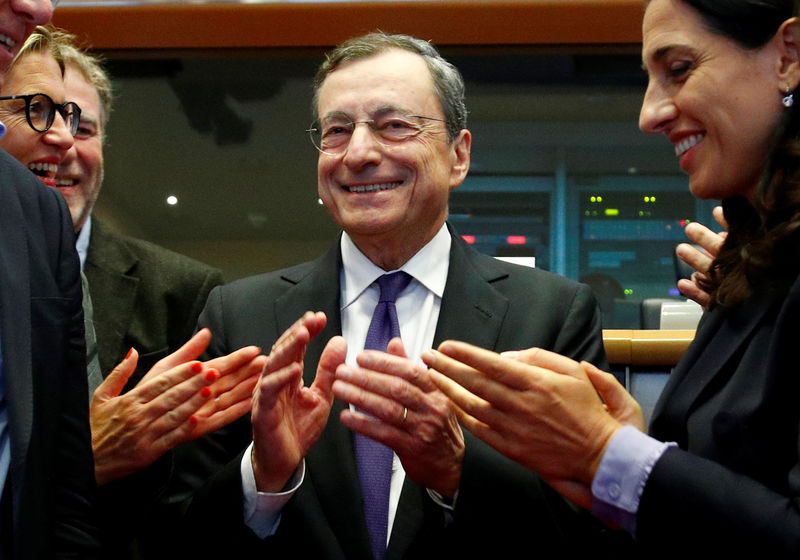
<point>392,78</point>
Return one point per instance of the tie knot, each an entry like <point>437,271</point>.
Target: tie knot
<point>392,284</point>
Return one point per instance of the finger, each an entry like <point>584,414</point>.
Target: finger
<point>388,409</point>
<point>233,361</point>
<point>113,384</point>
<point>190,394</point>
<point>333,355</point>
<point>155,385</point>
<point>396,348</point>
<point>291,346</point>
<point>703,236</point>
<point>719,216</point>
<point>552,361</point>
<point>270,385</point>
<point>396,366</point>
<point>483,363</point>
<point>465,401</point>
<point>611,391</point>
<point>219,419</point>
<point>694,257</point>
<point>190,351</point>
<point>244,374</point>
<point>178,417</point>
<point>220,402</point>
<point>692,291</point>
<point>374,428</point>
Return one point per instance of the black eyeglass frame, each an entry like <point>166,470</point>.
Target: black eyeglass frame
<point>62,109</point>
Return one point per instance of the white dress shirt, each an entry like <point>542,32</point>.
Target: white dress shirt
<point>82,241</point>
<point>417,313</point>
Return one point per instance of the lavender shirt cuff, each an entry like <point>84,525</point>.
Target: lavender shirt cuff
<point>619,482</point>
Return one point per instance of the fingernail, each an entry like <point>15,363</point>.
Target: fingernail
<point>212,375</point>
<point>205,392</point>
<point>128,355</point>
<point>197,367</point>
<point>193,420</point>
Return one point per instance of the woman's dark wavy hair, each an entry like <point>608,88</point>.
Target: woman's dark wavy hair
<point>763,244</point>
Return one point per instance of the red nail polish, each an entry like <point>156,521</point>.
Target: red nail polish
<point>205,392</point>
<point>212,375</point>
<point>128,355</point>
<point>197,367</point>
<point>193,420</point>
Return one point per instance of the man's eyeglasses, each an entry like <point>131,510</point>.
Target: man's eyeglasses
<point>332,135</point>
<point>40,111</point>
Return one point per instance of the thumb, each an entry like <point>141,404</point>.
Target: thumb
<point>113,384</point>
<point>332,357</point>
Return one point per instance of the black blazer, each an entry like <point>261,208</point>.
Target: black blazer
<point>501,506</point>
<point>733,406</point>
<point>51,477</point>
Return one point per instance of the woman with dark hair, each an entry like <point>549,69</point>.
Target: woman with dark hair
<point>720,471</point>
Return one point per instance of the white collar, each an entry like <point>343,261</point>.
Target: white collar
<point>428,266</point>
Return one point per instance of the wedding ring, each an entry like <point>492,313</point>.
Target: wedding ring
<point>405,415</point>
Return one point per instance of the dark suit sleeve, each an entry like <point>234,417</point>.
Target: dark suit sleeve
<point>703,501</point>
<point>75,527</point>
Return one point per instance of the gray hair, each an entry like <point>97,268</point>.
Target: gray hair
<point>447,81</point>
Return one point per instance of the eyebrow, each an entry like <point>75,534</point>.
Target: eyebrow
<point>659,54</point>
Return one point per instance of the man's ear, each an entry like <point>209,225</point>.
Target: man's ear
<point>460,154</point>
<point>788,43</point>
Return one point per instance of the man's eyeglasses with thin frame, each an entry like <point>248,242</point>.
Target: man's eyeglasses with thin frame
<point>40,111</point>
<point>332,135</point>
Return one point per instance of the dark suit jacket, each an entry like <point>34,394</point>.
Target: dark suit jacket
<point>51,477</point>
<point>146,297</point>
<point>733,406</point>
<point>501,506</point>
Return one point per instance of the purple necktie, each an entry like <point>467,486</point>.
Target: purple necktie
<point>373,459</point>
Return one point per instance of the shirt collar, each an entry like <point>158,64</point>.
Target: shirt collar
<point>428,266</point>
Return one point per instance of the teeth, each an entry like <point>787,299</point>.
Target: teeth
<point>684,145</point>
<point>48,167</point>
<point>373,188</point>
<point>65,182</point>
<point>7,41</point>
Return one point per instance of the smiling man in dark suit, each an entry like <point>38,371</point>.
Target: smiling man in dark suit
<point>391,132</point>
<point>46,470</point>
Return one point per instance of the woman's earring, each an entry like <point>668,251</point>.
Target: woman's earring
<point>788,99</point>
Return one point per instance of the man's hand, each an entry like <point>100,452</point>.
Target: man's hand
<point>536,407</point>
<point>171,404</point>
<point>288,417</point>
<point>400,407</point>
<point>700,259</point>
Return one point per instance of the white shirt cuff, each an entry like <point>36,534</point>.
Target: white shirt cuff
<point>262,510</point>
<point>619,482</point>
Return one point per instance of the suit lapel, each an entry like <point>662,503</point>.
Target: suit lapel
<point>331,461</point>
<point>719,339</point>
<point>471,309</point>
<point>108,267</point>
<point>15,334</point>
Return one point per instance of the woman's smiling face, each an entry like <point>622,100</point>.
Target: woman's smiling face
<point>717,102</point>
